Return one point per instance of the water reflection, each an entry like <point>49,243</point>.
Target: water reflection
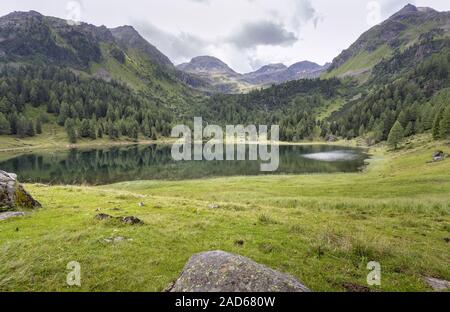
<point>110,165</point>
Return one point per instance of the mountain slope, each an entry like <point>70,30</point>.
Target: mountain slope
<point>119,54</point>
<point>400,31</point>
<point>128,38</point>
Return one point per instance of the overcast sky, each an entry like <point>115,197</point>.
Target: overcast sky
<point>246,34</point>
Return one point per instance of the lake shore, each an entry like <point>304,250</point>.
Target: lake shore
<point>18,145</point>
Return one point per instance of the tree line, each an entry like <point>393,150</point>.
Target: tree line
<point>86,107</point>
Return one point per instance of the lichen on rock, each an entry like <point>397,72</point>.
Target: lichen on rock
<point>218,271</point>
<point>13,195</point>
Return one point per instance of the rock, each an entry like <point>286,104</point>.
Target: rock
<point>127,220</point>
<point>103,216</point>
<point>116,239</point>
<point>141,204</point>
<point>213,206</point>
<point>437,284</point>
<point>13,195</point>
<point>239,242</point>
<point>132,220</point>
<point>11,214</point>
<point>218,271</point>
<point>331,138</point>
<point>438,156</point>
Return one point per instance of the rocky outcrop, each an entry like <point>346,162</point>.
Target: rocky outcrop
<point>218,271</point>
<point>13,195</point>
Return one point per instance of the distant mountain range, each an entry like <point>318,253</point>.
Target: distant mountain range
<point>219,74</point>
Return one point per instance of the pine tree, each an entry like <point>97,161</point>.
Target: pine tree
<point>70,129</point>
<point>444,125</point>
<point>30,131</point>
<point>395,135</point>
<point>437,124</point>
<point>100,132</point>
<point>38,126</point>
<point>5,127</point>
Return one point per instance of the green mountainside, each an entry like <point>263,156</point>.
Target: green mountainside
<point>402,30</point>
<point>99,82</point>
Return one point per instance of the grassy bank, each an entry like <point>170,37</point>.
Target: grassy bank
<point>322,229</point>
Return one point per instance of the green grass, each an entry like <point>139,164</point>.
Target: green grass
<point>322,229</point>
<point>360,63</point>
<point>330,108</point>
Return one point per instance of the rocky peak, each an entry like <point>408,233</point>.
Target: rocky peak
<point>271,68</point>
<point>411,10</point>
<point>128,37</point>
<point>205,64</point>
<point>304,66</point>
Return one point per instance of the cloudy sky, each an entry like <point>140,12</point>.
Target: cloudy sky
<point>246,34</point>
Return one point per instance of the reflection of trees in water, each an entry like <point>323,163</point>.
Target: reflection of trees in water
<point>100,166</point>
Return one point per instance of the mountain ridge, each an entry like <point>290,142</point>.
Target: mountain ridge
<point>399,31</point>
<point>219,73</point>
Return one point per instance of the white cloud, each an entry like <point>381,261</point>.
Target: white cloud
<point>186,28</point>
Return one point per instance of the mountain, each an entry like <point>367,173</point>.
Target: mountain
<point>402,30</point>
<point>96,81</point>
<point>279,73</point>
<point>218,75</point>
<point>225,79</point>
<point>398,72</point>
<point>128,38</point>
<point>119,54</point>
<point>207,65</point>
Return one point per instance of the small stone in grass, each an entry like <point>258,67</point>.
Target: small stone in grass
<point>117,239</point>
<point>132,220</point>
<point>213,206</point>
<point>103,216</point>
<point>239,242</point>
<point>11,214</point>
<point>437,284</point>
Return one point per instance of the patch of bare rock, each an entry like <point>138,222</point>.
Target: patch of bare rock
<point>219,271</point>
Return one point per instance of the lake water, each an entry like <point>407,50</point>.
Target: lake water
<point>117,164</point>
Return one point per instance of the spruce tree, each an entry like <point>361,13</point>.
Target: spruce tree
<point>437,125</point>
<point>38,126</point>
<point>70,129</point>
<point>444,125</point>
<point>5,127</point>
<point>395,135</point>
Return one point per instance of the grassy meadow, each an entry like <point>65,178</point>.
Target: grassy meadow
<point>322,229</point>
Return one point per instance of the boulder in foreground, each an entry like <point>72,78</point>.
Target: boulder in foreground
<point>218,271</point>
<point>13,195</point>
